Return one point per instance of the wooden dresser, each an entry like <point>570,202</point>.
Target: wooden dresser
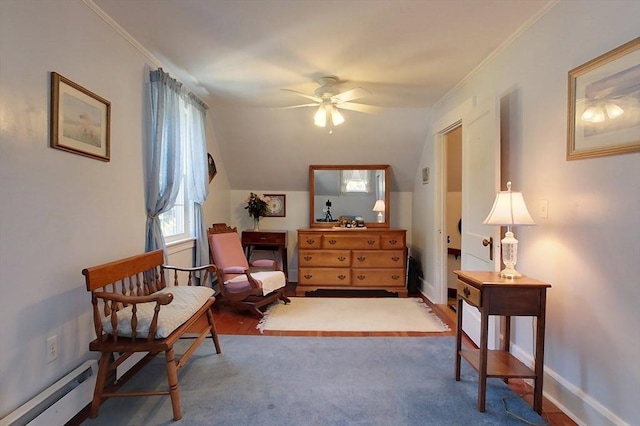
<point>351,259</point>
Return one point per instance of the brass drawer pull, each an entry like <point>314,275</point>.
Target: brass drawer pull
<point>395,258</point>
<point>362,258</point>
<point>308,276</point>
<point>308,258</point>
<point>332,242</point>
<point>311,241</point>
<point>395,277</point>
<point>361,277</point>
<point>371,242</point>
<point>342,277</point>
<point>342,258</point>
<point>466,292</point>
<point>393,242</point>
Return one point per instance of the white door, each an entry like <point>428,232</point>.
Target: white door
<point>480,182</point>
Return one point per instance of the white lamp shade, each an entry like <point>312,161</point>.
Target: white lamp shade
<point>509,209</point>
<point>378,206</point>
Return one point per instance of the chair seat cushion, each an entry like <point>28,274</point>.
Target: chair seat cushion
<point>269,281</point>
<point>186,302</point>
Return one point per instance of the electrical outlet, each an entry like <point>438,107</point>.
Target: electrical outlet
<point>52,348</point>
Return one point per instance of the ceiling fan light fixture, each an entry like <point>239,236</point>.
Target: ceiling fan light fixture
<point>320,118</point>
<point>593,114</point>
<point>599,112</point>
<point>336,118</point>
<point>613,110</point>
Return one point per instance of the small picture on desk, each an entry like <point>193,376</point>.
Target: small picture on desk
<point>277,205</point>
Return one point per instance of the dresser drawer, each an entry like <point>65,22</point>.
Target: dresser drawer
<point>377,258</point>
<point>324,276</point>
<point>367,277</point>
<point>309,240</point>
<point>395,240</point>
<point>264,238</point>
<point>326,258</point>
<point>351,242</point>
<point>469,293</point>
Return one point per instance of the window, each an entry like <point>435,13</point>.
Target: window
<point>176,158</point>
<point>355,181</point>
<point>176,223</point>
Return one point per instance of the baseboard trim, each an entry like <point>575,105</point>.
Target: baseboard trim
<point>573,401</point>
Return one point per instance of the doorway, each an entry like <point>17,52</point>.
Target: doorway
<point>480,170</point>
<point>453,209</point>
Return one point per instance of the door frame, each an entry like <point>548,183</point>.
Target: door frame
<point>441,127</point>
<point>449,122</point>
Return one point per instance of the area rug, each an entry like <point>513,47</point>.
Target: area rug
<point>314,381</point>
<point>351,314</point>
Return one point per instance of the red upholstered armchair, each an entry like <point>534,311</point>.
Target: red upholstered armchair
<point>242,285</point>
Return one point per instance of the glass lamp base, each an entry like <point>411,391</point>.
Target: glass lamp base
<point>509,256</point>
<point>510,273</point>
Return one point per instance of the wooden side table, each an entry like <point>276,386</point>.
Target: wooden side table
<point>269,239</point>
<point>494,295</point>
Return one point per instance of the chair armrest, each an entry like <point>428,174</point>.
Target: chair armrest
<point>203,272</point>
<point>265,263</point>
<point>161,298</point>
<point>235,270</point>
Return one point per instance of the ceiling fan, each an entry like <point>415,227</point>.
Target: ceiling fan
<point>329,100</point>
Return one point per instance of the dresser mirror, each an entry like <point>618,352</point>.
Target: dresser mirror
<point>349,192</point>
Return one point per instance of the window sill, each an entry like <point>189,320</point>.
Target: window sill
<point>180,245</point>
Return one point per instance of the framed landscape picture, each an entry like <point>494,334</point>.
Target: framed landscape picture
<point>604,104</point>
<point>80,119</point>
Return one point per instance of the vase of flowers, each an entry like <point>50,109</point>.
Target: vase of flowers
<point>257,206</point>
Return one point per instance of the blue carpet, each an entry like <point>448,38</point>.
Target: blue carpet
<point>269,380</point>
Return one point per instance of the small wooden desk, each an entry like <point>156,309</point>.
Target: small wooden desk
<point>269,239</point>
<point>494,295</point>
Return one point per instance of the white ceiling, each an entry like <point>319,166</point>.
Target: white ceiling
<point>238,54</point>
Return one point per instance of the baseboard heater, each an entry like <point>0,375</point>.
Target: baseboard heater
<point>60,402</point>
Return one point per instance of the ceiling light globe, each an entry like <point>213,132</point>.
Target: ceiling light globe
<point>613,110</point>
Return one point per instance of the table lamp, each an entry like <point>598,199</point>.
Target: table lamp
<point>379,207</point>
<point>509,210</point>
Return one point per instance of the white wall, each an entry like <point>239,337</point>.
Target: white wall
<point>61,212</point>
<point>589,246</point>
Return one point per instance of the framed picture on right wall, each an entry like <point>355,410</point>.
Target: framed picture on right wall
<point>604,104</point>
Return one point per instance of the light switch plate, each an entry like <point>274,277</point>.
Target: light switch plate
<point>544,209</point>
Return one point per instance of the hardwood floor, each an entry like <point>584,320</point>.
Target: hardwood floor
<point>232,322</point>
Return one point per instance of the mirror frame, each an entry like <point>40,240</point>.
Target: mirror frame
<point>387,180</point>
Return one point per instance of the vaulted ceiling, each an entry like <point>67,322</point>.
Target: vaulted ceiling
<point>238,54</point>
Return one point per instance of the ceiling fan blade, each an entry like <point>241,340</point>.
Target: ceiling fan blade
<point>370,109</point>
<point>299,106</point>
<point>304,95</point>
<point>352,94</point>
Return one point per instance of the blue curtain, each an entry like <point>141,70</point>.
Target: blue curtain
<point>198,176</point>
<point>163,165</point>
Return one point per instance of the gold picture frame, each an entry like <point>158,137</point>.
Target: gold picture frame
<point>80,120</point>
<point>604,104</point>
